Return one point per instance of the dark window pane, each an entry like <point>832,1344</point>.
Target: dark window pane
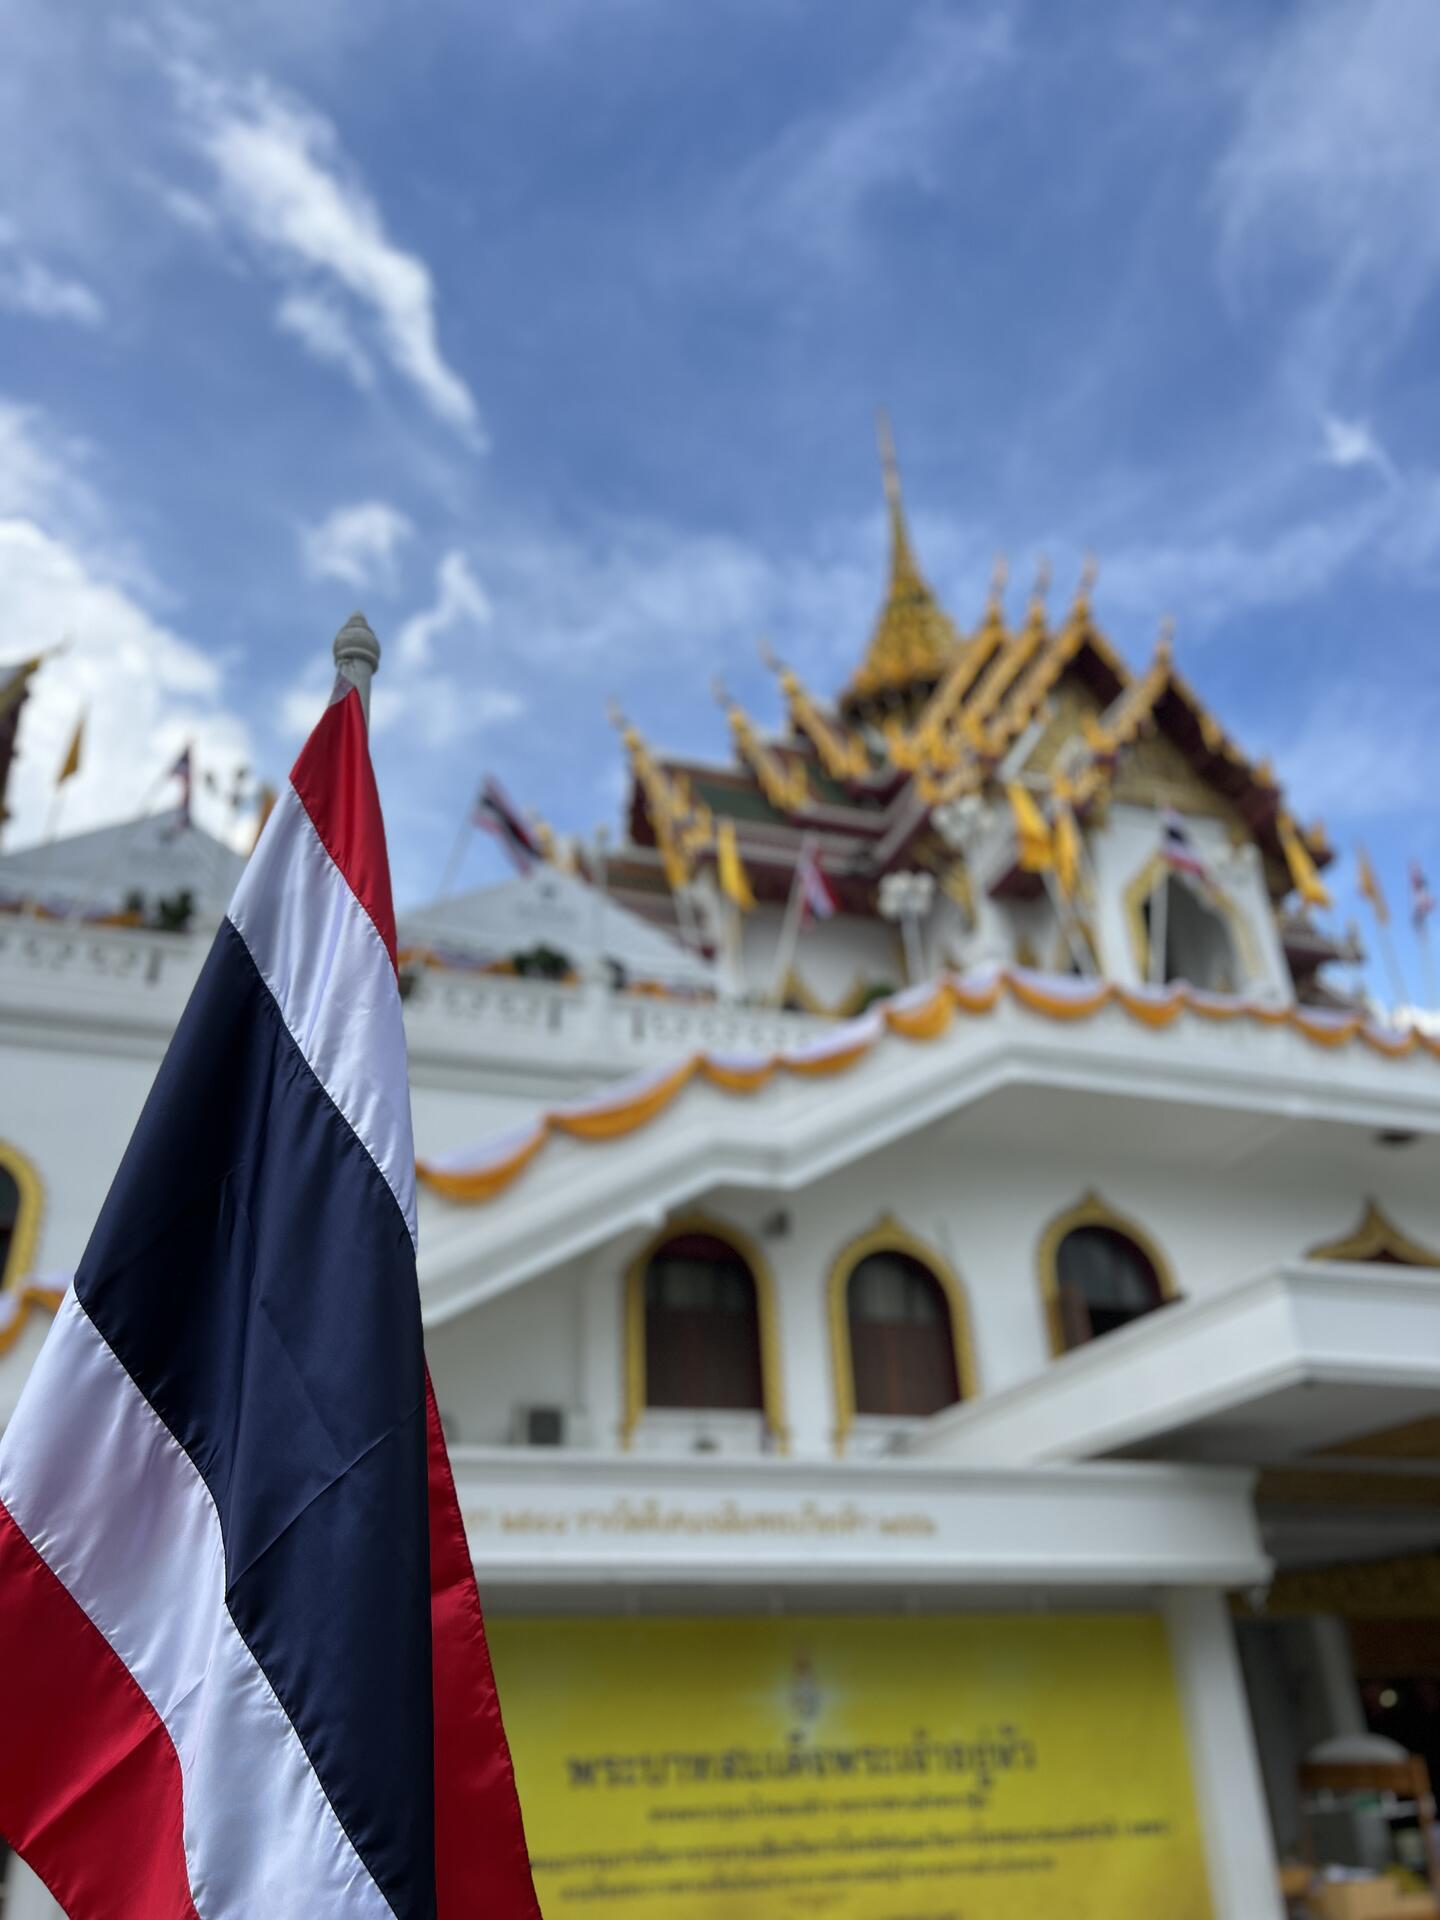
<point>702,1327</point>
<point>1105,1281</point>
<point>902,1348</point>
<point>9,1215</point>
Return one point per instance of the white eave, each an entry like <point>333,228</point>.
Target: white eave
<point>577,1196</point>
<point>1295,1360</point>
<point>537,1518</point>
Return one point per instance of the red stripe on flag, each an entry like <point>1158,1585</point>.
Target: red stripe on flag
<point>482,1865</point>
<point>90,1788</point>
<point>336,785</point>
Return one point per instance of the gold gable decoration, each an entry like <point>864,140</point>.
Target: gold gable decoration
<point>1376,1240</point>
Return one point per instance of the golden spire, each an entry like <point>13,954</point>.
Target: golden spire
<point>785,787</point>
<point>914,639</point>
<point>842,755</point>
<point>1084,589</point>
<point>660,800</point>
<point>1040,592</point>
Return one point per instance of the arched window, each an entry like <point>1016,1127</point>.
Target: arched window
<point>901,1350</point>
<point>702,1326</point>
<point>1198,944</point>
<point>19,1215</point>
<point>898,1328</point>
<point>1099,1272</point>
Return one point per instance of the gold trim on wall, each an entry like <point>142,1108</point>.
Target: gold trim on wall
<point>888,1236</point>
<point>1138,890</point>
<point>26,1232</point>
<point>1377,1238</point>
<point>772,1387</point>
<point>1090,1210</point>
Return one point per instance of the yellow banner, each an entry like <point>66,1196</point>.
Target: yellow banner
<point>897,1768</point>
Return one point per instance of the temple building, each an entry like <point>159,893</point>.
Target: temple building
<point>931,1270</point>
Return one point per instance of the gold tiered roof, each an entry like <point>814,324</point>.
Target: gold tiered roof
<point>932,716</point>
<point>914,640</point>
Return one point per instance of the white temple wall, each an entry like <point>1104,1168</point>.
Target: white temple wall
<point>983,1212</point>
<point>831,958</point>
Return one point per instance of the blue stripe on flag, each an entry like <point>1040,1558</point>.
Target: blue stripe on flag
<point>254,1275</point>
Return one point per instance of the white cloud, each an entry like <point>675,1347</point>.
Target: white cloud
<point>144,689</point>
<point>321,326</point>
<point>357,544</point>
<point>1353,443</point>
<point>1334,171</point>
<point>283,181</point>
<point>459,598</point>
<point>29,286</point>
<point>812,186</point>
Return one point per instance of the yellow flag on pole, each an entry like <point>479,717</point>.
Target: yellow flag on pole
<point>1369,887</point>
<point>71,763</point>
<point>1303,875</point>
<point>1037,852</point>
<point>734,881</point>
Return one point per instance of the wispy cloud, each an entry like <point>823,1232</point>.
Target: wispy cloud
<point>358,544</point>
<point>1353,443</point>
<point>460,600</point>
<point>813,187</point>
<point>282,180</point>
<point>1333,175</point>
<point>321,326</point>
<point>29,286</point>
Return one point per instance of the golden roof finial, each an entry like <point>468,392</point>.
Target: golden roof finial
<point>999,580</point>
<point>1085,587</point>
<point>1165,641</point>
<point>914,641</point>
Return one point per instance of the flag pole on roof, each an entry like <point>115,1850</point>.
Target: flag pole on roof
<point>243,1668</point>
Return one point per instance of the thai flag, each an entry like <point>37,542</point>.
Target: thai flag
<point>495,814</point>
<point>242,1666</point>
<point>817,898</point>
<point>1177,849</point>
<point>1422,901</point>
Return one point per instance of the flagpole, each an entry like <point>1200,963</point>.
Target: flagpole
<point>1392,963</point>
<point>452,865</point>
<point>790,926</point>
<point>597,906</point>
<point>1427,963</point>
<point>1065,914</point>
<point>1159,930</point>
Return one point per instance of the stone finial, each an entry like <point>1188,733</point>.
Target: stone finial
<point>357,655</point>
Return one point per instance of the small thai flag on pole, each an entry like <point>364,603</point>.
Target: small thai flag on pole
<point>817,897</point>
<point>242,1665</point>
<point>495,814</point>
<point>1177,849</point>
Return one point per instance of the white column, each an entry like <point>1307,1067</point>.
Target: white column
<point>26,1895</point>
<point>1229,1793</point>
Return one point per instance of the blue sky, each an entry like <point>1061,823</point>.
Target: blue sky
<point>553,335</point>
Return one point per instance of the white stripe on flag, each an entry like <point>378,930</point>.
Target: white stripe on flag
<point>322,959</point>
<point>115,1508</point>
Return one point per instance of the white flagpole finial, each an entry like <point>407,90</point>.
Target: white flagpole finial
<point>357,655</point>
